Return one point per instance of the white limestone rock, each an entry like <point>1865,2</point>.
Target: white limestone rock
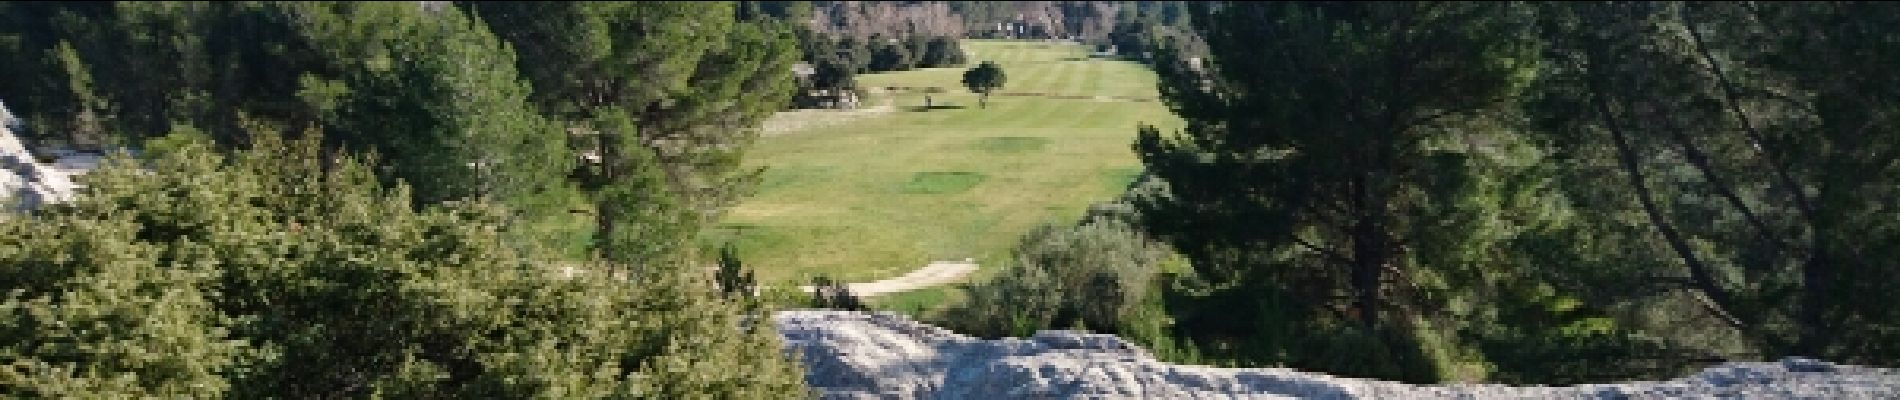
<point>25,183</point>
<point>852,355</point>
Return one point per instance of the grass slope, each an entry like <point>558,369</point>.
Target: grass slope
<point>873,194</point>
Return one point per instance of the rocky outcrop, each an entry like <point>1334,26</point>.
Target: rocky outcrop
<point>850,355</point>
<point>25,182</point>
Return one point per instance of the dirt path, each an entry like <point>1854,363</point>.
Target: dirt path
<point>937,273</point>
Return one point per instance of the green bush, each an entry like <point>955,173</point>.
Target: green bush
<point>834,294</point>
<point>1089,275</point>
<point>280,272</point>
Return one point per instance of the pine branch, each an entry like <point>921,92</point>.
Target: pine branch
<point>1626,156</point>
<point>1754,136</point>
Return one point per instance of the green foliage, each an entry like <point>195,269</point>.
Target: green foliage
<point>85,125</point>
<point>1623,192</point>
<point>639,220</point>
<point>1133,39</point>
<point>830,75</point>
<point>433,93</point>
<point>891,57</point>
<point>984,79</point>
<point>1349,227</point>
<point>1536,336</point>
<point>278,271</point>
<point>787,11</point>
<point>452,254</point>
<point>733,278</point>
<point>940,52</point>
<point>834,294</point>
<point>663,98</point>
<point>454,117</point>
<point>53,91</point>
<point>1090,275</point>
<point>1742,140</point>
<point>837,60</point>
<point>850,51</point>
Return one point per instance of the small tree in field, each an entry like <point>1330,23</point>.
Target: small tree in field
<point>985,78</point>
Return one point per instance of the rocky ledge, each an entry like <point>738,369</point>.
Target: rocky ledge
<point>25,182</point>
<point>851,355</point>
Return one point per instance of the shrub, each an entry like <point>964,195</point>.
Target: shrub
<point>735,281</point>
<point>830,293</point>
<point>1089,275</point>
<point>280,272</point>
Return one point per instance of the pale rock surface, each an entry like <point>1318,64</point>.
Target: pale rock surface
<point>853,355</point>
<point>25,183</point>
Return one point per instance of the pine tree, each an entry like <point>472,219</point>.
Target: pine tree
<point>452,117</point>
<point>670,88</point>
<point>1745,146</point>
<point>1329,170</point>
<point>421,88</point>
<point>942,52</point>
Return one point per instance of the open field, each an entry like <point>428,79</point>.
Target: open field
<point>874,193</point>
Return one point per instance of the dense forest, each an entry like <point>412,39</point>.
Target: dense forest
<point>506,199</point>
<point>383,199</point>
<point>1534,193</point>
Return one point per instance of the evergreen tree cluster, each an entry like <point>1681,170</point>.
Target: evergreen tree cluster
<point>836,62</point>
<point>364,199</point>
<point>1149,28</point>
<point>840,39</point>
<point>1531,193</point>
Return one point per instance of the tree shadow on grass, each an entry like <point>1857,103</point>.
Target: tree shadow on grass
<point>936,107</point>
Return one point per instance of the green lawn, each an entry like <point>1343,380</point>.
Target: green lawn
<point>870,195</point>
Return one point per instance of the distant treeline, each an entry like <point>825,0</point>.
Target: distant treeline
<point>844,38</point>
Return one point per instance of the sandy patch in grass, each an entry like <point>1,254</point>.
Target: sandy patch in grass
<point>795,121</point>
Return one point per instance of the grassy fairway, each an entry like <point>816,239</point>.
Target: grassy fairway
<point>868,195</point>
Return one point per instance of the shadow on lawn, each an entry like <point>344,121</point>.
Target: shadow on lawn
<point>923,108</point>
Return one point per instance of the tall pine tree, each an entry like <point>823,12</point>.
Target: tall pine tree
<point>1331,173</point>
<point>662,98</point>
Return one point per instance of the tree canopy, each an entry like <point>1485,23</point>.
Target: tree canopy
<point>1448,188</point>
<point>661,97</point>
<point>275,271</point>
<point>470,223</point>
<point>984,79</point>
